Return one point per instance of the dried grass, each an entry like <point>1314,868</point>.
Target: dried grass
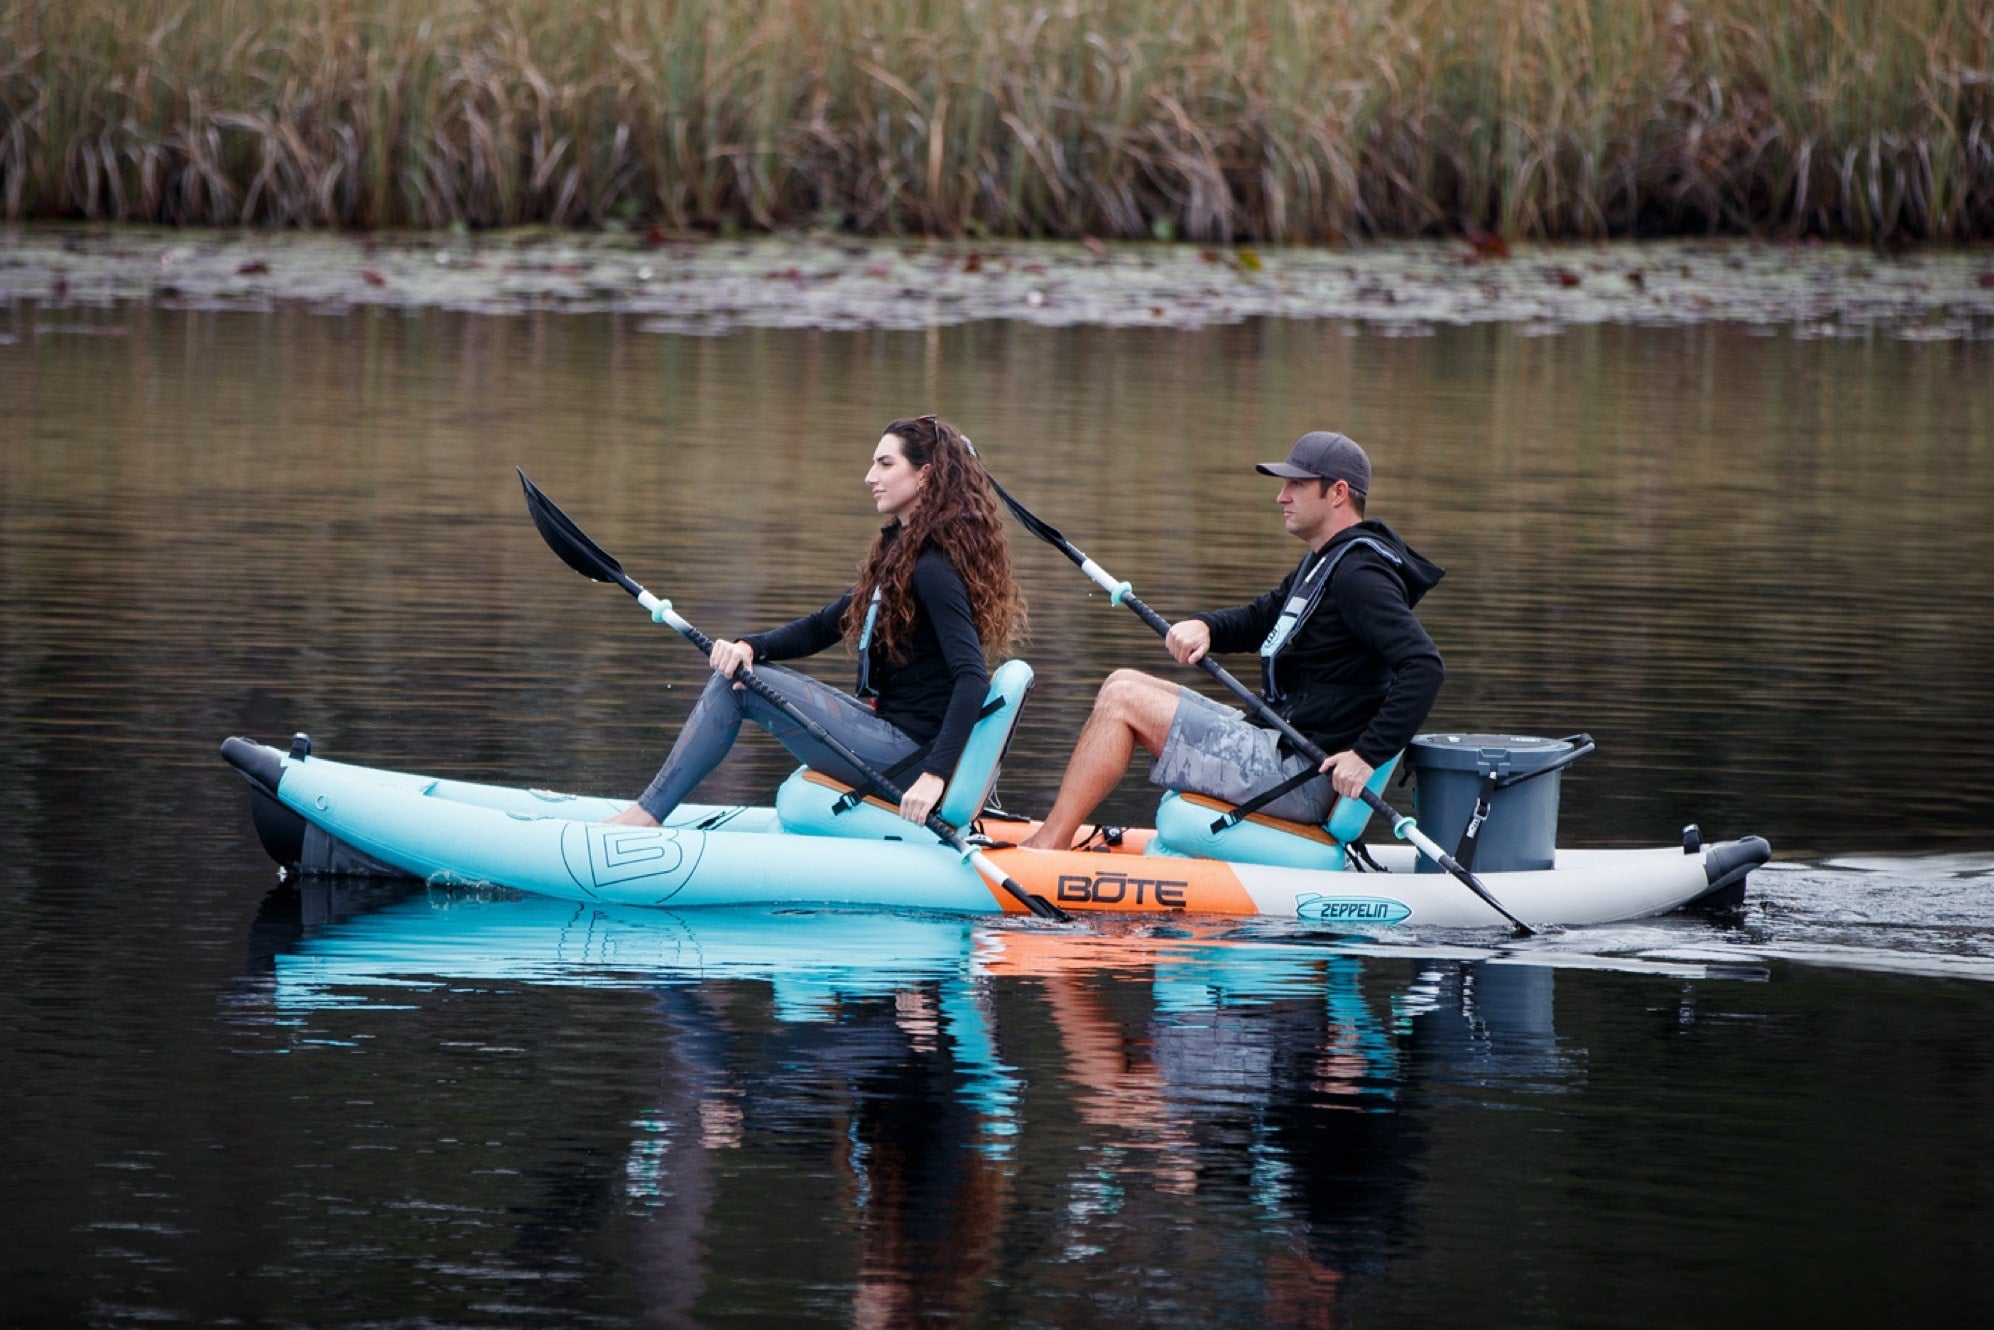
<point>1127,118</point>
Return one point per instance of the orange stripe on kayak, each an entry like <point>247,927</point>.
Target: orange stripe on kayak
<point>1121,879</point>
<point>1126,883</point>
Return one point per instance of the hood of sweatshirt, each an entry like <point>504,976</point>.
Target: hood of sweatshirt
<point>1418,572</point>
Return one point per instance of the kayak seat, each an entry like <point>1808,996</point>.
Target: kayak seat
<point>989,740</point>
<point>1184,826</point>
<point>813,804</point>
<point>1349,817</point>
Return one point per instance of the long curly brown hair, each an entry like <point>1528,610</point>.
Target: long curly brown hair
<point>958,514</point>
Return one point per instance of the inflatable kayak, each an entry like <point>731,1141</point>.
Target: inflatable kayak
<point>822,844</point>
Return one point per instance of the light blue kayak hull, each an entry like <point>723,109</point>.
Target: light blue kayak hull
<point>333,817</point>
<point>458,833</point>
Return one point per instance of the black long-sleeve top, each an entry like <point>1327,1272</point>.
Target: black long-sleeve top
<point>933,694</point>
<point>1359,673</point>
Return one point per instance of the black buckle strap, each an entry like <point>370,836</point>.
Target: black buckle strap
<point>851,798</point>
<point>1464,853</point>
<point>1239,813</point>
<point>1360,855</point>
<point>1110,838</point>
<point>1492,783</point>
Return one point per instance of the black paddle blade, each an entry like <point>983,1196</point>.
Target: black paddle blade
<point>568,540</point>
<point>1045,909</point>
<point>1031,521</point>
<point>1036,903</point>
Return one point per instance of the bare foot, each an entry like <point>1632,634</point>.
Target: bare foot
<point>1038,840</point>
<point>633,816</point>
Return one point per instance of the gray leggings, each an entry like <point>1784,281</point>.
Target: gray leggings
<point>715,722</point>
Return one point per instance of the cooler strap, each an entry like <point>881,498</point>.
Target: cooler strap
<point>1464,853</point>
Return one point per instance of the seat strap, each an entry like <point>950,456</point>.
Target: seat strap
<point>1236,815</point>
<point>853,797</point>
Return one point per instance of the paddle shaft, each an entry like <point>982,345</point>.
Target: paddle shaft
<point>586,557</point>
<point>1403,827</point>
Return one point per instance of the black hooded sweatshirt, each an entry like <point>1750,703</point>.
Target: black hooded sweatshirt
<point>1359,672</point>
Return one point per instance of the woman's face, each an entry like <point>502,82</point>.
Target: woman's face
<point>894,481</point>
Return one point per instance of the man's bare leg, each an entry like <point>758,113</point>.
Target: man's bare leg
<point>1132,708</point>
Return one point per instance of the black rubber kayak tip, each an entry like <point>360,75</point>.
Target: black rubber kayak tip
<point>252,759</point>
<point>281,830</point>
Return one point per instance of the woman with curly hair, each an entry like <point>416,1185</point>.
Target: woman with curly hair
<point>934,599</point>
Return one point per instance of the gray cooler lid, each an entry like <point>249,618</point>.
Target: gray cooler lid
<point>1494,754</point>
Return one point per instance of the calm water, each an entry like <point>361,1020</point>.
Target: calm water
<point>1757,568</point>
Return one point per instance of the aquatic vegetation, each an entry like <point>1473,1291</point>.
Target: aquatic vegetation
<point>1278,123</point>
<point>1403,289</point>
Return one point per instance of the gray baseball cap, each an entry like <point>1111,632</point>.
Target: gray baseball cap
<point>1320,455</point>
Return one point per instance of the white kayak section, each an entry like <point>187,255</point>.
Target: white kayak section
<point>1581,887</point>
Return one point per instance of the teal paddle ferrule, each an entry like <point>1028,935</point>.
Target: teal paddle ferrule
<point>968,852</point>
<point>663,613</point>
<point>1121,590</point>
<point>1403,827</point>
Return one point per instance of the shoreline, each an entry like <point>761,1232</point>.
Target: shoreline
<point>708,287</point>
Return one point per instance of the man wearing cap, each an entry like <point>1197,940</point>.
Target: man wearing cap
<point>1342,659</point>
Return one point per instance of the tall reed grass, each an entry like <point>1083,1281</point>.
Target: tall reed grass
<point>1220,120</point>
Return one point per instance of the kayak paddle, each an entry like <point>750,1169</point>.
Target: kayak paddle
<point>589,559</point>
<point>1121,594</point>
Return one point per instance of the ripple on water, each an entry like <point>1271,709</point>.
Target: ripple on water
<point>1917,915</point>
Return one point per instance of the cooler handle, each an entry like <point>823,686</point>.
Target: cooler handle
<point>1584,745</point>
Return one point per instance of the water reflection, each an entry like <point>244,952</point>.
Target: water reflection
<point>1189,1078</point>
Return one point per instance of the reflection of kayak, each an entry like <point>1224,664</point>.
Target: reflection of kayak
<point>814,957</point>
<point>403,934</point>
<point>328,935</point>
<point>816,848</point>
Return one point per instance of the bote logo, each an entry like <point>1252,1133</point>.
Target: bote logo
<point>639,865</point>
<point>1116,888</point>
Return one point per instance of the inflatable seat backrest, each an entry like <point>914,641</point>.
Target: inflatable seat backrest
<point>976,770</point>
<point>1349,817</point>
<point>813,804</point>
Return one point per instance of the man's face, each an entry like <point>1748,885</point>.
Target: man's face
<point>1306,511</point>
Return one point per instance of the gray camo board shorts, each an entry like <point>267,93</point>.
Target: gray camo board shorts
<point>1215,750</point>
